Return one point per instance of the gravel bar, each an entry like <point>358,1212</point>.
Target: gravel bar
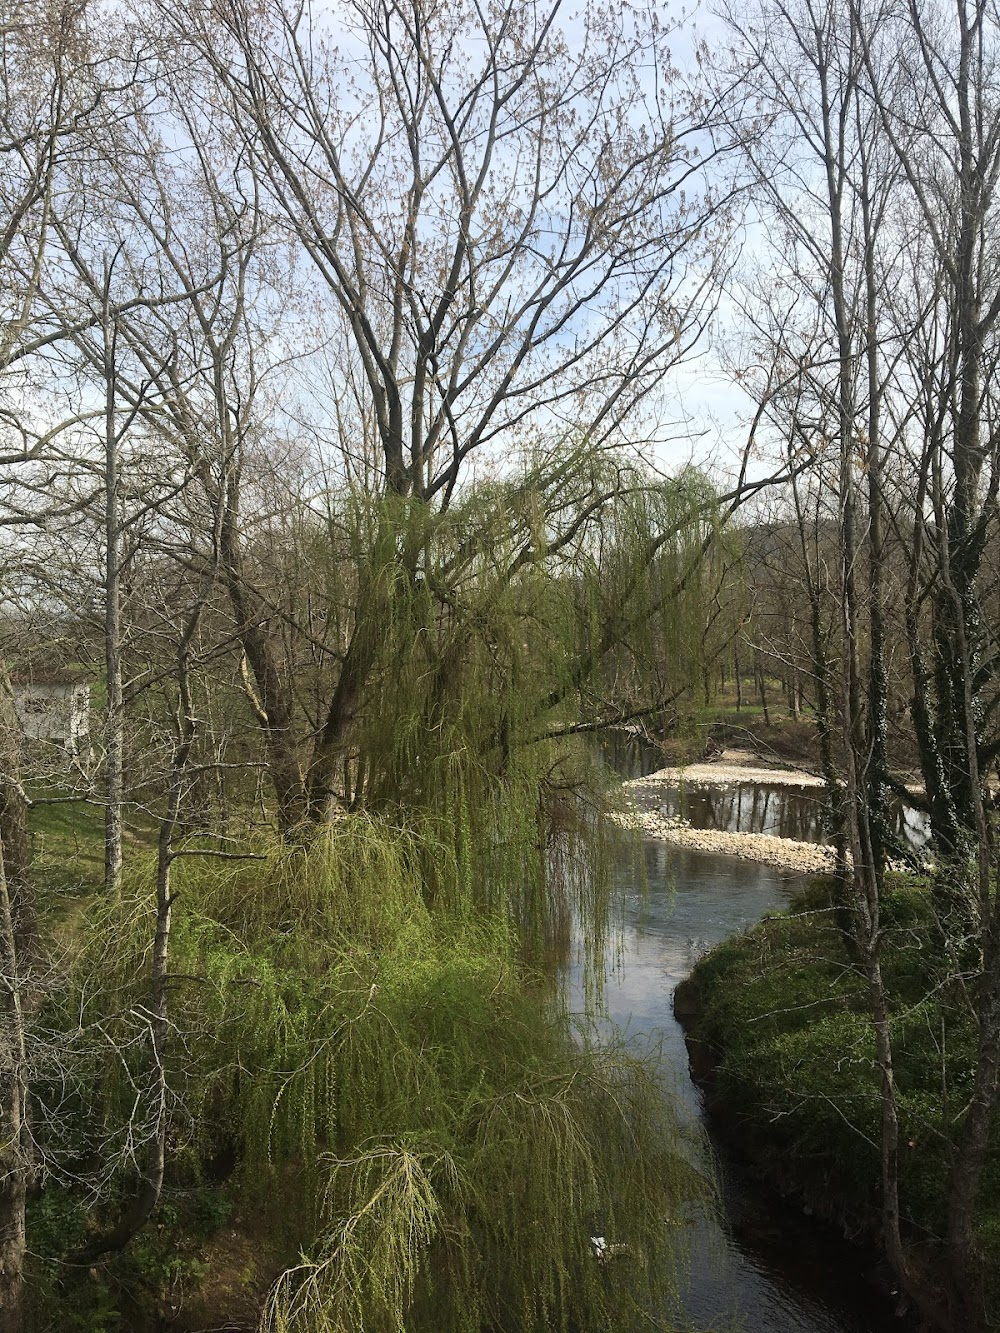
<point>803,858</point>
<point>725,775</point>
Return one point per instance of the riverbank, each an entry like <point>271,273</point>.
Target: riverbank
<point>760,1265</point>
<point>734,767</point>
<point>780,1040</point>
<point>732,1009</point>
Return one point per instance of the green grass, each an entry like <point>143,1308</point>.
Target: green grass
<point>67,842</point>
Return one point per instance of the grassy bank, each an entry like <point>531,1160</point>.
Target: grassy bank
<point>780,1030</point>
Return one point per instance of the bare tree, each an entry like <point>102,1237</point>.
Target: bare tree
<point>826,179</point>
<point>889,118</point>
<point>42,100</point>
<point>946,139</point>
<point>505,241</point>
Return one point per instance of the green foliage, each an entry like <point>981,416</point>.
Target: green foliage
<point>370,1010</point>
<point>786,1011</point>
<point>164,1258</point>
<point>504,1218</point>
<point>576,582</point>
<point>455,1143</point>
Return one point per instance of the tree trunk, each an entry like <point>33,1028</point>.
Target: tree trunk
<point>974,1136</point>
<point>738,673</point>
<point>115,718</point>
<point>17,932</point>
<point>373,613</point>
<point>269,696</point>
<point>14,1158</point>
<point>761,690</point>
<point>328,752</point>
<point>970,1160</point>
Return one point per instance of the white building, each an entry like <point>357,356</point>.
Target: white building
<point>54,706</point>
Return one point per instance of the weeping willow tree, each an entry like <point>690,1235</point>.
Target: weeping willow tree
<point>362,1010</point>
<point>458,652</point>
<point>453,1147</point>
<point>570,596</point>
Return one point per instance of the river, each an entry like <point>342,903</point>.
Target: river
<point>761,1266</point>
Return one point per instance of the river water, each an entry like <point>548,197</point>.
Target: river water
<point>761,1267</point>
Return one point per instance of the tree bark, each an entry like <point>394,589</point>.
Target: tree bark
<point>14,1156</point>
<point>738,674</point>
<point>761,689</point>
<point>269,695</point>
<point>114,784</point>
<point>17,935</point>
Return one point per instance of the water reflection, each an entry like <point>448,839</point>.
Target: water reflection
<point>743,807</point>
<point>761,1268</point>
<point>627,753</point>
<point>784,812</point>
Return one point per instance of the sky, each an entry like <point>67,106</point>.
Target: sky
<point>701,414</point>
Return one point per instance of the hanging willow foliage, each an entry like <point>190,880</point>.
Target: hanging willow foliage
<point>571,593</point>
<point>456,1146</point>
<point>498,1232</point>
<point>577,585</point>
<point>365,1007</point>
